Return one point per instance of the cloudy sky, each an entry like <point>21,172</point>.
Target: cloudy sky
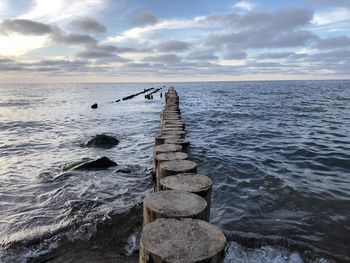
<point>158,40</point>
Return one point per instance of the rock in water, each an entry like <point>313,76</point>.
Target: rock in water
<point>94,106</point>
<point>102,141</point>
<point>124,171</point>
<point>100,163</point>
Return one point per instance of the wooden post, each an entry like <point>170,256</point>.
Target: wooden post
<point>190,182</point>
<point>159,139</point>
<point>182,241</point>
<point>165,157</point>
<point>176,167</point>
<point>173,204</point>
<point>164,148</point>
<point>185,144</point>
<point>182,134</point>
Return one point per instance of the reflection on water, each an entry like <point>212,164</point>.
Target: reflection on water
<point>278,153</point>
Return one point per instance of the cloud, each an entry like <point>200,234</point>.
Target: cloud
<point>202,55</point>
<point>334,56</point>
<point>331,16</point>
<point>61,37</point>
<point>144,18</point>
<point>245,5</point>
<point>262,30</point>
<point>254,39</point>
<point>166,59</point>
<point>235,55</point>
<point>277,55</point>
<point>284,19</point>
<point>62,10</point>
<point>345,3</point>
<point>172,46</point>
<point>333,42</point>
<point>88,24</point>
<point>24,27</point>
<point>143,32</point>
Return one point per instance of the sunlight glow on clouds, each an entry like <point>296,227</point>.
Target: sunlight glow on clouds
<point>18,45</point>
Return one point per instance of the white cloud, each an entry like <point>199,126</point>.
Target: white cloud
<point>142,32</point>
<point>330,17</point>
<point>60,10</point>
<point>245,5</point>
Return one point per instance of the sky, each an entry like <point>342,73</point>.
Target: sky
<point>158,40</point>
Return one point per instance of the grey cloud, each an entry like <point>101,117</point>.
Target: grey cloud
<point>144,18</point>
<point>261,30</point>
<point>339,56</point>
<point>25,27</point>
<point>299,56</point>
<point>333,42</point>
<point>202,55</point>
<point>278,55</point>
<point>344,3</point>
<point>173,46</point>
<point>93,54</point>
<point>287,18</point>
<point>28,27</point>
<point>72,39</point>
<point>113,48</point>
<point>167,59</point>
<point>262,39</point>
<point>281,55</point>
<point>235,55</point>
<point>88,25</point>
<point>105,56</point>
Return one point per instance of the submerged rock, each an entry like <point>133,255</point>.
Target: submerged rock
<point>102,141</point>
<point>87,164</point>
<point>70,166</point>
<point>124,171</point>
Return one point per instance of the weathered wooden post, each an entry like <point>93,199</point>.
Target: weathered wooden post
<point>163,148</point>
<point>173,204</point>
<point>165,157</point>
<point>182,134</point>
<point>159,139</point>
<point>181,241</point>
<point>185,143</point>
<point>190,182</point>
<point>176,167</point>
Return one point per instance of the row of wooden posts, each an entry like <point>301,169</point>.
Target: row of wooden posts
<point>176,215</point>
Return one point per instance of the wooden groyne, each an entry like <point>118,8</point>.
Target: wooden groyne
<point>176,215</point>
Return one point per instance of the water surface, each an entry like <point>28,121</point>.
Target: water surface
<point>278,153</point>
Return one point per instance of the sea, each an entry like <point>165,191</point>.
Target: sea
<point>278,153</point>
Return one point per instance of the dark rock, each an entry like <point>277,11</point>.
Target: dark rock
<point>124,171</point>
<point>102,141</point>
<point>100,163</point>
<point>117,100</point>
<point>70,166</point>
<point>94,106</point>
